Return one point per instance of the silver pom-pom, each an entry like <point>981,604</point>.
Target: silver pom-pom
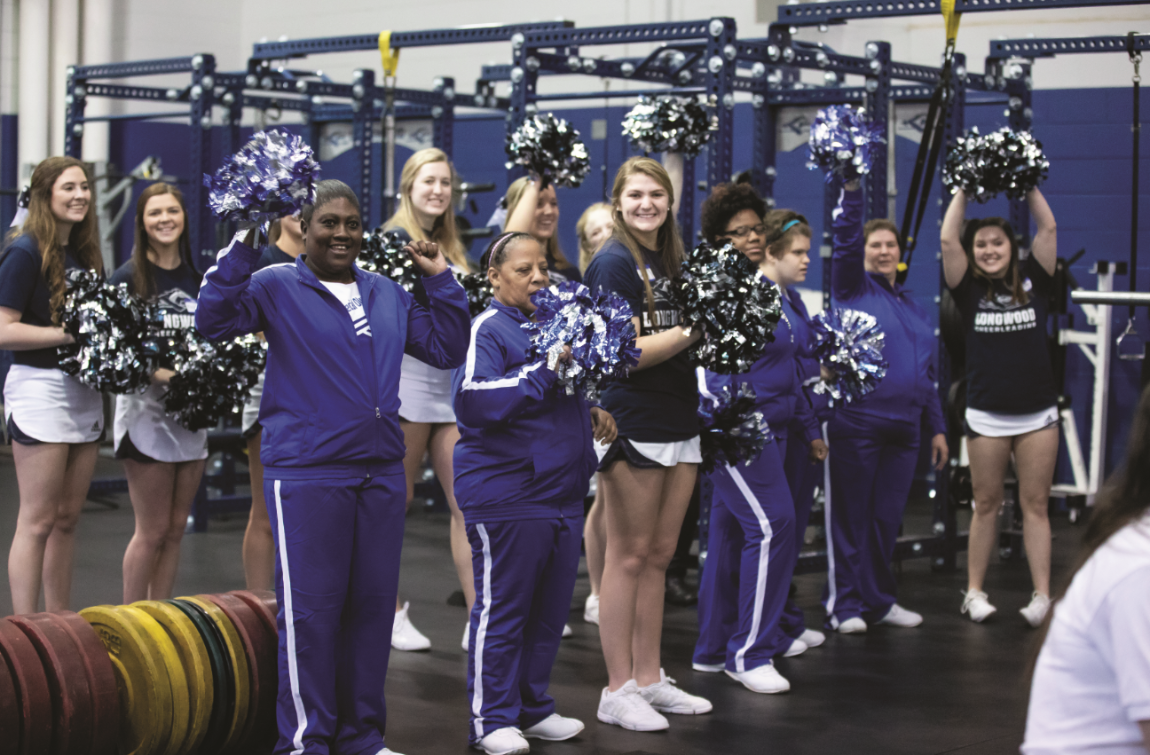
<point>668,124</point>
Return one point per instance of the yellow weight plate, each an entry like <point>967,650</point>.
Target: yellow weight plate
<point>196,666</point>
<point>238,659</point>
<point>141,676</point>
<point>177,679</point>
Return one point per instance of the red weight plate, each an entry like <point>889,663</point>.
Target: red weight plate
<point>266,611</point>
<point>232,606</point>
<point>9,707</point>
<point>101,683</point>
<point>67,682</point>
<point>264,664</point>
<point>31,687</point>
<point>268,598</point>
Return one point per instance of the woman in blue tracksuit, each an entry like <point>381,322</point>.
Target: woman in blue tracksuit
<point>752,543</point>
<point>522,468</point>
<point>876,438</point>
<point>332,452</point>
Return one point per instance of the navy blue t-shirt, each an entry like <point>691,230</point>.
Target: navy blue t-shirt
<point>658,404</point>
<point>273,255</point>
<point>24,289</point>
<point>174,289</point>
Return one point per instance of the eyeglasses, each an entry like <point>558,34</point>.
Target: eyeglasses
<point>743,230</point>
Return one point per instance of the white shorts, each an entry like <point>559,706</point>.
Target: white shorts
<point>424,393</point>
<point>52,407</point>
<point>154,432</point>
<point>997,425</point>
<point>660,454</point>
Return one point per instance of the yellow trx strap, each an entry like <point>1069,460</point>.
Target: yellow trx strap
<point>389,56</point>
<point>952,20</point>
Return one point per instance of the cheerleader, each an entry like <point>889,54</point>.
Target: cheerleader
<point>333,454</point>
<point>876,438</point>
<point>425,413</point>
<point>1012,402</point>
<point>163,461</point>
<point>259,550</point>
<point>648,472</point>
<point>753,542</point>
<point>53,419</point>
<point>535,210</point>
<point>593,229</point>
<point>522,468</point>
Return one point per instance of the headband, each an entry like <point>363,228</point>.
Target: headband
<point>782,231</point>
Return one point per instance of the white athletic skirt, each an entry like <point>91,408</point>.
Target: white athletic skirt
<point>52,407</point>
<point>997,425</point>
<point>154,432</point>
<point>424,392</point>
<point>251,413</point>
<point>663,454</point>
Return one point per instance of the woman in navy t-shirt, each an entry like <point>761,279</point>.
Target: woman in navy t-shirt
<point>54,420</point>
<point>1011,399</point>
<point>648,473</point>
<point>163,460</point>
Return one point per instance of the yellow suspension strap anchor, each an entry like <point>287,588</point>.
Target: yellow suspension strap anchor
<point>390,60</point>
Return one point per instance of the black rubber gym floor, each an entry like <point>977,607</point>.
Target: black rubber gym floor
<point>949,686</point>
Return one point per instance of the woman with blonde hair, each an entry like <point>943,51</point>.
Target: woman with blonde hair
<point>533,208</point>
<point>54,420</point>
<point>595,226</point>
<point>425,414</point>
<point>647,474</point>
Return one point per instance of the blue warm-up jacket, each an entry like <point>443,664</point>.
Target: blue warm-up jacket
<point>331,398</point>
<point>805,360</point>
<point>776,380</point>
<point>525,448</point>
<point>909,344</point>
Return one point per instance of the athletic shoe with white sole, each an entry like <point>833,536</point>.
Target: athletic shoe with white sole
<point>764,679</point>
<point>386,751</point>
<point>665,697</point>
<point>976,604</point>
<point>554,728</point>
<point>404,635</point>
<point>567,631</point>
<point>591,610</point>
<point>505,741</point>
<point>626,707</point>
<point>898,616</point>
<point>853,625</point>
<point>1035,613</point>
<point>710,668</point>
<point>813,637</point>
<point>797,647</point>
<point>466,637</point>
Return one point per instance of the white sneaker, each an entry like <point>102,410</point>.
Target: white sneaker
<point>505,741</point>
<point>404,635</point>
<point>554,728</point>
<point>710,668</point>
<point>591,610</point>
<point>567,631</point>
<point>1035,613</point>
<point>386,751</point>
<point>626,707</point>
<point>813,637</point>
<point>764,679</point>
<point>797,647</point>
<point>898,616</point>
<point>976,603</point>
<point>466,637</point>
<point>665,697</point>
<point>853,625</point>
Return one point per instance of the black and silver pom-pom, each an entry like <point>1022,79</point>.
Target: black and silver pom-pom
<point>383,253</point>
<point>478,288</point>
<point>1002,162</point>
<point>721,292</point>
<point>272,176</point>
<point>731,431</point>
<point>668,124</point>
<point>213,379</point>
<point>110,327</point>
<point>849,344</point>
<point>842,142</point>
<point>598,329</point>
<point>550,148</point>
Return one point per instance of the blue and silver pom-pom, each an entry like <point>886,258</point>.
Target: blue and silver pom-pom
<point>383,253</point>
<point>668,124</point>
<point>1002,162</point>
<point>213,379</point>
<point>849,344</point>
<point>842,142</point>
<point>731,431</point>
<point>550,148</point>
<point>272,176</point>
<point>110,327</point>
<point>722,293</point>
<point>598,329</point>
<point>478,288</point>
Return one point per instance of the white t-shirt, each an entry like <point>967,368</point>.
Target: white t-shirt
<point>348,295</point>
<point>1091,684</point>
